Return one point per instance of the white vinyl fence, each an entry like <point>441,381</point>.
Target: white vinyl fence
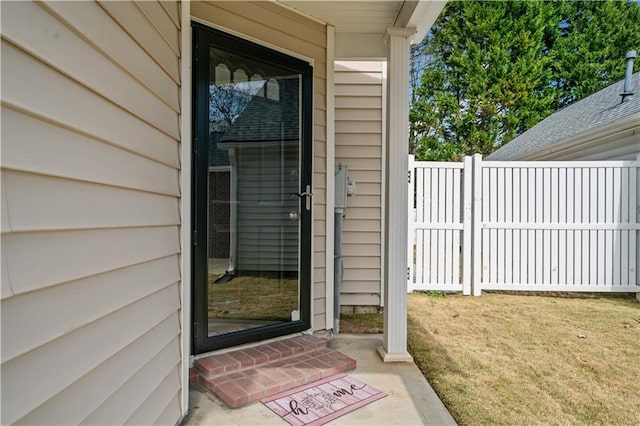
<point>535,226</point>
<point>440,229</point>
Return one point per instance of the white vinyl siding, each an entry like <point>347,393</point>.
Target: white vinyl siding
<point>267,238</point>
<point>359,118</point>
<point>282,29</point>
<point>90,213</point>
<point>621,145</point>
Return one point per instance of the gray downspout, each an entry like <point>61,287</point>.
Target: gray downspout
<point>338,264</point>
<point>338,268</point>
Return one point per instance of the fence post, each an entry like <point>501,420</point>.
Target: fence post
<point>637,220</point>
<point>467,224</point>
<point>476,230</point>
<point>411,222</point>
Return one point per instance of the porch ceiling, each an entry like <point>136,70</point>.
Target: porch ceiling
<point>351,16</point>
<point>371,16</point>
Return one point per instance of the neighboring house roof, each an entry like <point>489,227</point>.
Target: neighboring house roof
<point>266,120</point>
<point>596,110</point>
<point>262,120</point>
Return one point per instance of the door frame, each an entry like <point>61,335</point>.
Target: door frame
<point>202,37</point>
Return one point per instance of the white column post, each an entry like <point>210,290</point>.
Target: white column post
<point>395,296</point>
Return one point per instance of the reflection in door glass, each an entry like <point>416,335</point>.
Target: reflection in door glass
<point>253,218</point>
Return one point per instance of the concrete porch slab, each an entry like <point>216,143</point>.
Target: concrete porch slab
<point>410,400</point>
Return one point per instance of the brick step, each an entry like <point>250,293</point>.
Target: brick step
<point>193,376</point>
<point>226,363</point>
<point>304,362</point>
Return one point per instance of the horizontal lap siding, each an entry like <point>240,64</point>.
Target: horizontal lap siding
<point>267,237</point>
<point>618,146</point>
<point>90,212</point>
<point>359,146</point>
<point>266,22</point>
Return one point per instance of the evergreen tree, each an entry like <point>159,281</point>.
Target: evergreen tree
<point>494,69</point>
<point>590,50</point>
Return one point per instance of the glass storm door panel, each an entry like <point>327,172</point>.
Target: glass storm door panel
<point>251,191</point>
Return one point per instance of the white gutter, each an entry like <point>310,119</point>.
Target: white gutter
<point>592,135</point>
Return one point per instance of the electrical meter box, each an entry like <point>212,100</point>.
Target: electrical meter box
<point>341,178</point>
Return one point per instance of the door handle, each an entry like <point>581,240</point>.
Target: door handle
<point>307,194</point>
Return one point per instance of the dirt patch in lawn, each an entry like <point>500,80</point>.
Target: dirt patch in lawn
<point>512,359</point>
<point>361,323</point>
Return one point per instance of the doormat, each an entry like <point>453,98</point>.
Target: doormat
<point>320,402</point>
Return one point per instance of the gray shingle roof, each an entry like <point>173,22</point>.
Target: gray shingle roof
<point>262,120</point>
<point>600,108</point>
<point>266,120</point>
